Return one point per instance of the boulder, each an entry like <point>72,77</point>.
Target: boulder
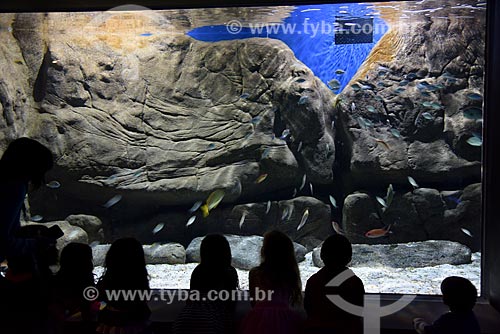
<point>419,215</point>
<point>403,255</point>
<point>90,224</point>
<point>71,233</point>
<point>171,253</point>
<point>245,251</point>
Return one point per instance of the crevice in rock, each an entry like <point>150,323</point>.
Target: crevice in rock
<point>40,86</point>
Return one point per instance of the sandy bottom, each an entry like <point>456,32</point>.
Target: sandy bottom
<point>381,279</point>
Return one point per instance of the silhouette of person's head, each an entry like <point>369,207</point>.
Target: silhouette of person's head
<point>215,251</point>
<point>28,160</point>
<point>336,251</point>
<point>76,265</point>
<point>277,249</point>
<point>126,265</point>
<point>458,293</point>
<point>279,263</point>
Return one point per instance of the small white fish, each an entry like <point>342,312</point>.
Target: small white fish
<point>327,148</point>
<point>190,221</point>
<point>195,206</point>
<point>294,192</point>
<point>381,201</point>
<point>112,201</point>
<point>158,228</point>
<point>413,182</point>
<point>303,221</point>
<point>53,185</point>
<point>311,188</point>
<point>333,125</point>
<point>303,182</point>
<point>242,219</point>
<point>333,201</point>
<point>94,244</point>
<point>466,231</point>
<point>285,213</point>
<point>36,218</point>
<point>299,147</point>
<point>268,207</point>
<point>353,107</point>
<point>290,211</point>
<point>337,229</point>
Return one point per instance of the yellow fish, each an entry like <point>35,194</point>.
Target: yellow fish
<point>212,201</point>
<point>261,178</point>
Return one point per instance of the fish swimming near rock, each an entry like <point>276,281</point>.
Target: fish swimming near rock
<point>467,232</point>
<point>212,202</point>
<point>146,34</point>
<point>195,206</point>
<point>339,71</point>
<point>36,218</point>
<point>371,109</point>
<point>112,201</point>
<point>299,147</point>
<point>337,228</point>
<point>311,188</point>
<point>353,106</point>
<point>210,147</point>
<point>379,232</point>
<point>190,221</point>
<point>412,182</point>
<point>333,201</point>
<point>381,201</point>
<point>300,80</point>
<point>303,221</point>
<point>475,141</point>
<point>389,195</point>
<point>303,182</point>
<point>334,84</point>
<point>285,134</point>
<point>474,96</point>
<point>473,113</point>
<point>268,207</point>
<point>427,116</point>
<point>53,185</point>
<point>395,133</point>
<point>265,153</point>
<point>158,228</point>
<point>261,178</point>
<point>355,87</point>
<point>285,212</point>
<point>242,219</point>
<point>244,96</point>
<point>256,120</point>
<point>294,192</point>
<point>303,100</point>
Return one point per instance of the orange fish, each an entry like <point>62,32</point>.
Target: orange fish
<point>378,232</point>
<point>261,178</point>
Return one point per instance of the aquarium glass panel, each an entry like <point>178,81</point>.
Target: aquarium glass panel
<point>361,119</point>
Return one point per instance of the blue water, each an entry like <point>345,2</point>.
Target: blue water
<point>317,50</point>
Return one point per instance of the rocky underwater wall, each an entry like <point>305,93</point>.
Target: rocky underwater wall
<point>159,121</point>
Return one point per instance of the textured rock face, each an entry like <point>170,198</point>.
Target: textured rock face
<point>419,215</point>
<point>412,254</point>
<point>71,233</point>
<point>422,93</point>
<point>245,251</point>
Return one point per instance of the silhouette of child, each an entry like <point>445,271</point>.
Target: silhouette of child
<point>125,271</point>
<point>75,274</point>
<point>24,163</point>
<point>323,315</point>
<point>278,275</point>
<point>460,295</point>
<point>214,273</point>
<point>24,290</point>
